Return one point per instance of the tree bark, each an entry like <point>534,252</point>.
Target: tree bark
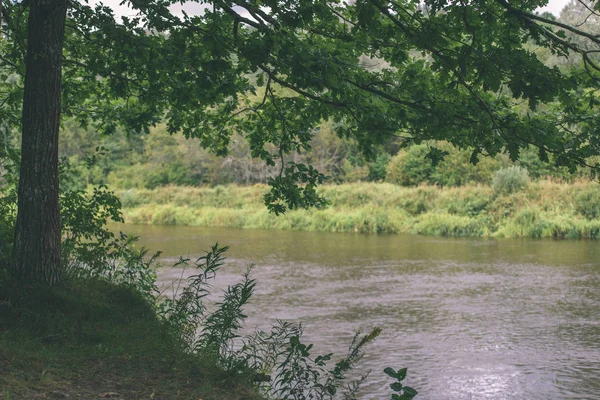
<point>36,250</point>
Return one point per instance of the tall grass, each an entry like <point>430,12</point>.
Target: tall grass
<point>541,209</point>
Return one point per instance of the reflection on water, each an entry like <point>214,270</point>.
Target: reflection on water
<point>471,319</point>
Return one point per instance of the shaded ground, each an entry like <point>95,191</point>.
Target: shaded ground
<point>94,340</point>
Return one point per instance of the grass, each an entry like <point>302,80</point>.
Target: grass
<point>542,209</point>
<point>89,340</point>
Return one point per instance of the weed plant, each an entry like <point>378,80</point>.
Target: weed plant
<point>277,361</point>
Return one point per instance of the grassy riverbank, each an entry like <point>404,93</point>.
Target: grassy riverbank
<point>542,209</point>
<point>96,340</point>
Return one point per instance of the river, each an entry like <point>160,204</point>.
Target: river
<point>470,318</point>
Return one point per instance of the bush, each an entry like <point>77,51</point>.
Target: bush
<point>410,167</point>
<point>510,180</point>
<point>538,169</point>
<point>457,170</point>
<point>377,168</point>
<point>351,172</point>
<point>587,203</point>
<point>89,249</point>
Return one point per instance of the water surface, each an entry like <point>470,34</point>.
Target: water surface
<point>470,318</point>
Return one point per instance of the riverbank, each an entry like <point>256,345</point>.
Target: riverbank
<point>96,340</point>
<point>542,209</point>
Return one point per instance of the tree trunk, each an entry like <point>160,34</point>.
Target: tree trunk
<point>36,251</point>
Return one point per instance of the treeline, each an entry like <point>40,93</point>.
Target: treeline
<point>159,159</point>
<point>149,161</point>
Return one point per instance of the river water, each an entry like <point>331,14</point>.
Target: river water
<point>470,318</point>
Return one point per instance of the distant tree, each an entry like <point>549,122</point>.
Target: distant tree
<point>581,14</point>
<point>273,70</point>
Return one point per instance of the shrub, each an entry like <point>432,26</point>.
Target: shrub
<point>297,374</point>
<point>510,180</point>
<point>590,229</point>
<point>89,249</point>
<point>377,168</point>
<point>530,160</point>
<point>352,172</point>
<point>129,198</point>
<point>457,170</point>
<point>410,167</point>
<point>130,177</point>
<point>587,203</point>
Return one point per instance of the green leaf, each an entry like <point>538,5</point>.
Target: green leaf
<point>396,386</point>
<point>390,372</point>
<point>402,374</point>
<point>410,391</point>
